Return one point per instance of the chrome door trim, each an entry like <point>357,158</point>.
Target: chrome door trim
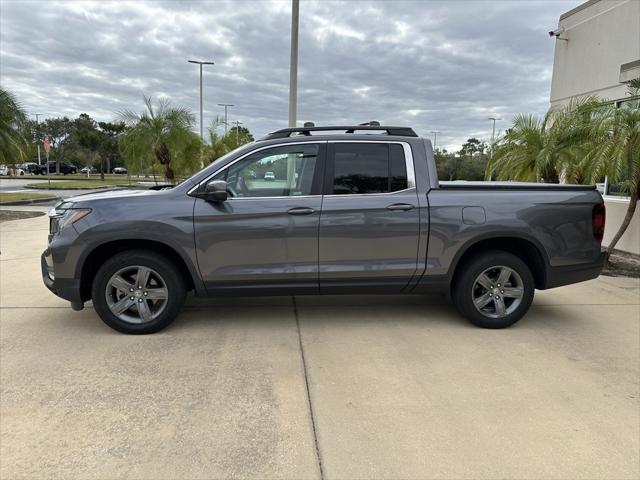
<point>380,194</point>
<point>408,158</point>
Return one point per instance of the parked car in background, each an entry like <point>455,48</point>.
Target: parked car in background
<point>11,170</point>
<point>65,169</point>
<point>119,171</point>
<point>366,214</point>
<point>270,176</point>
<point>30,167</point>
<point>88,169</point>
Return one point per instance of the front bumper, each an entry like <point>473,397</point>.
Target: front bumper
<point>565,275</point>
<point>66,288</point>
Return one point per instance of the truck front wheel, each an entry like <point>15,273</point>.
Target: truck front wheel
<point>494,289</point>
<point>138,292</point>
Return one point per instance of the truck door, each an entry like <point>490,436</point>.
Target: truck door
<point>370,219</point>
<point>264,238</point>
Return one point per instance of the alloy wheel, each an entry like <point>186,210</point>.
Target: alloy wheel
<point>497,292</point>
<point>136,294</point>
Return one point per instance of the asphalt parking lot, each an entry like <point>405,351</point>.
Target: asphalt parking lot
<point>308,388</point>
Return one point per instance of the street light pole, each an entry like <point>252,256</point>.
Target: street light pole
<point>37,115</point>
<point>225,105</point>
<point>435,138</point>
<point>293,70</point>
<point>493,134</point>
<point>237,123</point>
<point>201,64</point>
<point>493,131</point>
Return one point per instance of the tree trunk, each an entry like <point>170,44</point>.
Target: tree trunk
<point>633,201</point>
<point>164,157</point>
<point>550,175</point>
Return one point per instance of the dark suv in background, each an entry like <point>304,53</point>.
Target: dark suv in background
<point>65,169</point>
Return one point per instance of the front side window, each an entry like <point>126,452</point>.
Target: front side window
<point>286,171</point>
<point>362,168</point>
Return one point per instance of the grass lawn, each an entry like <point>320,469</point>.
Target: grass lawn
<point>94,176</point>
<point>77,176</point>
<point>88,184</point>
<point>18,196</point>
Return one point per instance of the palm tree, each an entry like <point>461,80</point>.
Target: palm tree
<point>544,149</point>
<point>12,143</point>
<point>163,132</point>
<point>615,151</point>
<point>220,145</point>
<point>518,154</point>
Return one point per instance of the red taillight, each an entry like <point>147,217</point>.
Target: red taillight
<point>597,221</point>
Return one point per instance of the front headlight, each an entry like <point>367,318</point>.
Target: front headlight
<point>60,217</point>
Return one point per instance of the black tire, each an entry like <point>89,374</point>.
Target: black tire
<point>165,268</point>
<point>465,287</point>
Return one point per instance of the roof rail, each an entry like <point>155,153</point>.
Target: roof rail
<point>288,132</point>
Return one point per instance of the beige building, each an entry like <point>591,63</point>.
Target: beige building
<point>598,50</point>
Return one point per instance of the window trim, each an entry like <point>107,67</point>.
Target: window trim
<point>408,159</point>
<point>320,165</point>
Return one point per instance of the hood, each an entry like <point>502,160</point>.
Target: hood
<point>109,194</point>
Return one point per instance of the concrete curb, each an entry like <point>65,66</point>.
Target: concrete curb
<point>29,202</point>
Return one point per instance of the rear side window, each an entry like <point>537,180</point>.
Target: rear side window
<point>361,168</point>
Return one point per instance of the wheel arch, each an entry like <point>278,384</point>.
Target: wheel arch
<point>100,253</point>
<point>525,248</point>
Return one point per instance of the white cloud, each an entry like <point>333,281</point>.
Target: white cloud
<point>433,65</point>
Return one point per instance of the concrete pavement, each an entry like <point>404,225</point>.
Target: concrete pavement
<point>338,387</point>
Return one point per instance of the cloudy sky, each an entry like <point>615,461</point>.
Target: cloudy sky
<point>433,65</point>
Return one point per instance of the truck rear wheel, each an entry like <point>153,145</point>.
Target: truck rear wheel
<point>138,292</point>
<point>494,290</point>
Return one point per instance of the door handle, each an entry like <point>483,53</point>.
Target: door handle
<point>401,206</point>
<point>300,211</point>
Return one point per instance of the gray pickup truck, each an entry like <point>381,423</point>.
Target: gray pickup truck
<point>323,210</point>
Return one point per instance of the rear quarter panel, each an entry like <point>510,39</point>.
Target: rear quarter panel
<point>557,222</point>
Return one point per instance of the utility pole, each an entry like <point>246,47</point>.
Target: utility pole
<point>37,115</point>
<point>225,105</point>
<point>435,138</point>
<point>201,64</point>
<point>237,123</point>
<point>293,68</point>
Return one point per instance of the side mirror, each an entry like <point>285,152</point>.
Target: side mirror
<point>216,191</point>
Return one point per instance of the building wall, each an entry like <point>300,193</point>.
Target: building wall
<point>616,210</point>
<point>601,36</point>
